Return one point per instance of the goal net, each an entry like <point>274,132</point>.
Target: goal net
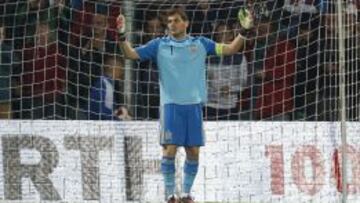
<point>60,60</point>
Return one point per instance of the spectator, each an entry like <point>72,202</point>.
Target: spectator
<point>274,72</point>
<point>43,78</point>
<point>227,76</point>
<point>103,106</point>
<point>201,17</point>
<point>296,11</point>
<point>8,62</point>
<point>23,17</point>
<point>153,28</point>
<point>302,6</point>
<point>85,65</point>
<point>148,74</point>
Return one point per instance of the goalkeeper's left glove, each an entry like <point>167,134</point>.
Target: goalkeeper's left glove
<point>246,19</point>
<point>121,29</point>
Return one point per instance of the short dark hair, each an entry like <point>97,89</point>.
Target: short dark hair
<point>179,11</point>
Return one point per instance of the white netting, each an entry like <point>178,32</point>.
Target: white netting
<point>54,54</point>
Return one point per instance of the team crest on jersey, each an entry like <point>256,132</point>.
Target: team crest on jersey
<point>193,48</point>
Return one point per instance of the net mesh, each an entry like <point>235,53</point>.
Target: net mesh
<point>60,60</point>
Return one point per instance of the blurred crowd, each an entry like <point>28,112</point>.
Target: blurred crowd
<point>59,59</point>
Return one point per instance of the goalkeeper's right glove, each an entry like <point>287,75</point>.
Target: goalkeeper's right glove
<point>246,19</point>
<point>120,26</point>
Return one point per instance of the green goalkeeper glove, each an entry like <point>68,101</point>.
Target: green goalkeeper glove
<point>246,20</point>
<point>120,25</point>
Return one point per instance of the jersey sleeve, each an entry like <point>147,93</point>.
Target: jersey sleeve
<point>149,50</point>
<point>209,45</point>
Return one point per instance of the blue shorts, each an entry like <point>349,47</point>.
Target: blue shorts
<point>181,125</point>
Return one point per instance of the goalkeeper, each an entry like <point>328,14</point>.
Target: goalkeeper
<point>181,62</point>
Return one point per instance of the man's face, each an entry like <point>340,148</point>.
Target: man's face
<point>38,4</point>
<point>154,27</point>
<point>42,32</point>
<point>204,4</point>
<point>263,29</point>
<point>117,72</point>
<point>304,36</point>
<point>115,69</point>
<point>2,33</point>
<point>176,25</point>
<point>99,26</point>
<point>224,34</point>
<point>331,24</point>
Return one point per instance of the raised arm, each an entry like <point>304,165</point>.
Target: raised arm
<point>246,20</point>
<point>125,46</point>
<point>128,51</point>
<point>236,45</point>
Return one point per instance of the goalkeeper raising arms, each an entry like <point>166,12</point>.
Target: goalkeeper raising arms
<point>181,62</point>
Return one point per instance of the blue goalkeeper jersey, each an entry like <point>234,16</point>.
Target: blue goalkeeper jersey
<point>182,67</point>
